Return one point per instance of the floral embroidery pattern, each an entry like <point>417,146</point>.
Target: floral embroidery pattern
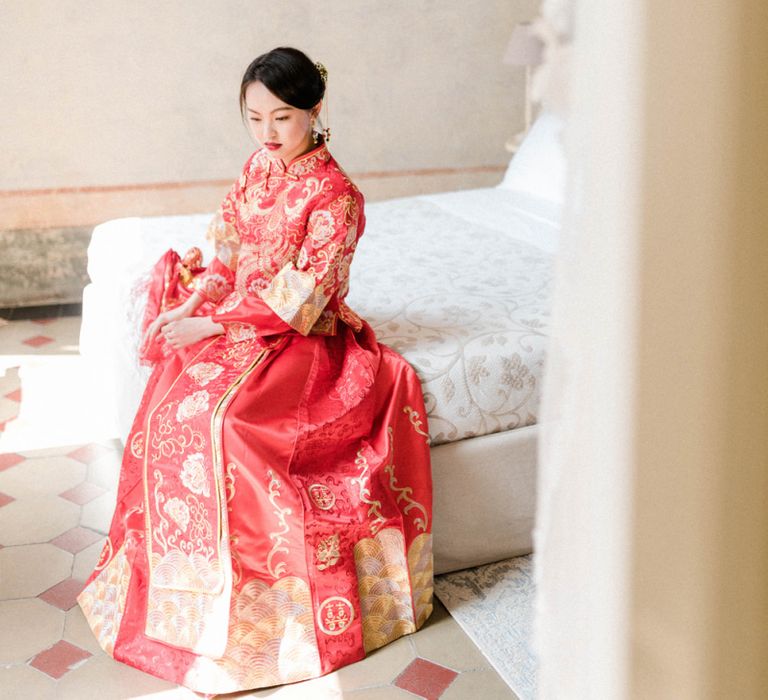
<point>322,226</point>
<point>178,511</point>
<point>193,475</point>
<point>327,552</point>
<point>212,286</point>
<point>205,372</point>
<point>193,405</point>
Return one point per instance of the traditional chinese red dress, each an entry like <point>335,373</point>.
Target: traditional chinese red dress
<point>273,518</point>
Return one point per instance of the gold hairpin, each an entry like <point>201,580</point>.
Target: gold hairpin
<point>323,71</point>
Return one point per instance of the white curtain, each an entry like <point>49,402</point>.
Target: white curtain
<point>652,524</point>
<point>581,539</point>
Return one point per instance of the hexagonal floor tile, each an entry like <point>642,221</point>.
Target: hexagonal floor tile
<point>379,667</point>
<point>44,476</point>
<point>28,570</point>
<point>85,561</point>
<point>26,682</point>
<point>114,681</point>
<point>77,631</point>
<point>36,519</point>
<point>97,514</point>
<point>29,626</point>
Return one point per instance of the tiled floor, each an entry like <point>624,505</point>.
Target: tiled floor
<point>56,500</point>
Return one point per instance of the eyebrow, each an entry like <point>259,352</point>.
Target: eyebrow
<point>272,112</point>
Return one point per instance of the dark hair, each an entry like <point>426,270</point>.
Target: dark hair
<point>287,73</point>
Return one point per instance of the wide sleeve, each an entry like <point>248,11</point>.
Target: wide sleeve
<point>298,293</point>
<point>218,280</point>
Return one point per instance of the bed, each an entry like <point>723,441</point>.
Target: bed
<point>457,282</point>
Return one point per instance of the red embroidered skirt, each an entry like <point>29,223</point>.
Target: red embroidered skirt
<point>273,518</point>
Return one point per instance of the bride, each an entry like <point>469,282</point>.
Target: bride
<point>273,518</point>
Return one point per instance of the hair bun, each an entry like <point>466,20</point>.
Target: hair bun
<point>323,71</point>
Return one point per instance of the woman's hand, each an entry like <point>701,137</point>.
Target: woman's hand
<point>186,331</point>
<point>162,319</point>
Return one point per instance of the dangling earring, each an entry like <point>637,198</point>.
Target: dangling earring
<point>315,135</point>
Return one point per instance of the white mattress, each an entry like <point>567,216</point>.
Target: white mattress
<point>458,283</point>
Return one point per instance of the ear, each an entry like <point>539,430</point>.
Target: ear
<point>315,111</point>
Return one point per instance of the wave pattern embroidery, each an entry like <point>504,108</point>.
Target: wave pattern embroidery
<point>103,600</point>
<point>385,592</point>
<point>271,639</point>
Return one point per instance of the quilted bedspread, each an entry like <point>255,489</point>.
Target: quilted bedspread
<point>458,283</point>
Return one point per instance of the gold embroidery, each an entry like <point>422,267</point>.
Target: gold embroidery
<point>192,405</point>
<point>137,445</point>
<point>384,587</point>
<point>420,568</point>
<point>404,492</point>
<point>293,296</point>
<point>416,421</point>
<point>335,615</point>
<point>170,438</point>
<point>190,578</point>
<point>322,496</point>
<point>277,537</point>
<point>205,372</point>
<point>103,599</point>
<point>271,639</point>
<point>365,493</point>
<point>327,552</point>
<point>229,481</point>
<point>237,566</point>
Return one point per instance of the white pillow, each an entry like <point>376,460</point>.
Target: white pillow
<point>538,167</point>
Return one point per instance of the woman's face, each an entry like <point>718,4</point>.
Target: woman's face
<point>283,130</point>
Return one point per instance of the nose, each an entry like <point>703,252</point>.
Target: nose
<point>267,130</point>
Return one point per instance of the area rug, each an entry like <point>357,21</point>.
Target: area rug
<point>494,606</point>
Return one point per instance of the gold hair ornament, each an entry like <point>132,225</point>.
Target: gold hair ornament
<point>326,131</point>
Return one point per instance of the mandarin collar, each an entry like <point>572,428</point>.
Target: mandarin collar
<point>301,165</point>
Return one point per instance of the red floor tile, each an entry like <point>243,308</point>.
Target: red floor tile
<point>426,679</point>
<point>14,395</point>
<point>64,594</point>
<point>76,539</point>
<point>5,499</point>
<point>82,493</point>
<point>88,453</point>
<point>37,341</point>
<point>9,459</point>
<point>59,659</point>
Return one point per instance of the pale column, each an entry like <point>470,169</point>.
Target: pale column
<point>699,623</point>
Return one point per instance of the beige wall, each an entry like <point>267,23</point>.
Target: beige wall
<point>120,108</point>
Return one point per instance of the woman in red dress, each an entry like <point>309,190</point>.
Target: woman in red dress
<point>273,518</point>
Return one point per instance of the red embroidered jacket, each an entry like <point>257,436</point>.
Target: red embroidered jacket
<point>285,238</point>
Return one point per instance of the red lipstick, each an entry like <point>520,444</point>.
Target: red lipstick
<point>272,146</point>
